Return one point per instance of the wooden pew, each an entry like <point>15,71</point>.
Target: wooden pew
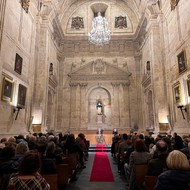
<point>72,161</point>
<point>51,180</point>
<point>62,175</point>
<point>140,173</point>
<point>150,182</point>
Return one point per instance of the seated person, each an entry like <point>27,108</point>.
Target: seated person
<point>8,163</point>
<point>178,174</point>
<point>48,165</point>
<point>71,146</point>
<point>28,176</point>
<point>158,164</point>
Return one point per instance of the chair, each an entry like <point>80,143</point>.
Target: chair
<point>140,173</point>
<point>51,180</point>
<point>150,182</point>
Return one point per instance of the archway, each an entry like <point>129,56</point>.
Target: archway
<point>99,108</point>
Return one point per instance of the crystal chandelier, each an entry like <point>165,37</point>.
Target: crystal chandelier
<point>100,34</point>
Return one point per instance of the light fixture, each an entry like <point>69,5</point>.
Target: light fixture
<point>182,107</point>
<point>100,34</point>
<point>17,109</point>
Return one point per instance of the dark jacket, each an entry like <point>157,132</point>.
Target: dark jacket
<point>173,180</point>
<point>157,165</point>
<point>8,166</point>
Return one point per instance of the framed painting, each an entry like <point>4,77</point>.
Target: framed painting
<point>18,64</point>
<point>188,86</point>
<point>7,90</point>
<point>21,96</point>
<point>177,94</point>
<point>181,58</point>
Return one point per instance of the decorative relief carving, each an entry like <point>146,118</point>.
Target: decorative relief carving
<point>115,62</point>
<point>125,84</point>
<point>74,84</point>
<point>73,67</point>
<point>82,61</point>
<point>120,22</point>
<point>146,80</point>
<point>115,84</point>
<point>83,85</point>
<point>25,4</point>
<point>99,66</point>
<point>57,33</point>
<point>77,23</point>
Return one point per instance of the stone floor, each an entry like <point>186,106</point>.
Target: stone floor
<point>83,182</point>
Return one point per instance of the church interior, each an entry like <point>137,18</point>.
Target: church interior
<point>84,65</point>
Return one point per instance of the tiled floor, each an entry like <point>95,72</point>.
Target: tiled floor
<point>83,182</point>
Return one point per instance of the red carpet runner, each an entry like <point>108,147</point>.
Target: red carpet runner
<point>101,170</point>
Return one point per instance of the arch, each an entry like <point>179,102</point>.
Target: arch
<point>99,106</point>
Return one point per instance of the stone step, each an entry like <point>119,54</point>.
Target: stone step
<point>93,148</point>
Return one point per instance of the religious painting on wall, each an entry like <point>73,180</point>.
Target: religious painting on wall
<point>18,64</point>
<point>7,90</point>
<point>188,86</point>
<point>177,94</point>
<point>21,96</point>
<point>181,58</point>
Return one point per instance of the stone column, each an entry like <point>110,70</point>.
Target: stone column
<point>157,72</point>
<point>2,14</point>
<point>137,106</point>
<point>83,111</point>
<point>78,107</point>
<point>42,73</point>
<point>126,105</point>
<point>73,90</point>
<point>115,107</point>
<point>60,104</point>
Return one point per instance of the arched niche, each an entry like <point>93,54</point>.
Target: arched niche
<point>99,115</point>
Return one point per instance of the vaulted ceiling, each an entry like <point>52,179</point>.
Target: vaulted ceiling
<point>132,10</point>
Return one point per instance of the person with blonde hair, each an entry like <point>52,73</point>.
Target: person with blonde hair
<point>178,174</point>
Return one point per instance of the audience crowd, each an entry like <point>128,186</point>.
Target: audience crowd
<point>167,157</point>
<point>24,160</point>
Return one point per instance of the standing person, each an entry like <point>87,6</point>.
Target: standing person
<point>28,176</point>
<point>178,174</point>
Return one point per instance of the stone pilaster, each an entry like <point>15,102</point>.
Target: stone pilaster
<point>73,116</point>
<point>158,81</point>
<point>126,106</point>
<point>136,108</point>
<point>60,104</point>
<point>2,14</point>
<point>42,75</point>
<point>83,111</point>
<point>116,117</point>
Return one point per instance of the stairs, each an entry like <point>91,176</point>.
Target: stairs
<point>93,148</point>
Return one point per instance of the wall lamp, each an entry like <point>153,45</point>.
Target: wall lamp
<point>182,107</point>
<point>17,109</point>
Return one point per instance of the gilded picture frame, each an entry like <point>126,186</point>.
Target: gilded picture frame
<point>181,59</point>
<point>7,89</point>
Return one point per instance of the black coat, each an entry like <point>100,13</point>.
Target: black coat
<point>157,165</point>
<point>173,180</point>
